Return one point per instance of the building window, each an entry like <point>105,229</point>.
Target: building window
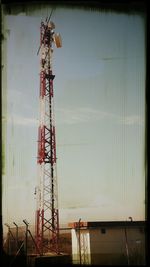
<point>103,230</point>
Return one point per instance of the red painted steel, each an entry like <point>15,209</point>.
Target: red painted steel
<point>41,144</point>
<point>47,215</point>
<point>42,84</point>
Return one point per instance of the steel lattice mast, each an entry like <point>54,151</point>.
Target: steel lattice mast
<point>47,216</point>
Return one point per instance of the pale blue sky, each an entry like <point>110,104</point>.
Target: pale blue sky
<point>99,114</point>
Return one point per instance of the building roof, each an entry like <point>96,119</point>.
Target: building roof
<point>99,224</point>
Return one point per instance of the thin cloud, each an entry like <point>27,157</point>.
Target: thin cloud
<point>73,116</point>
<point>84,115</point>
<point>80,115</point>
<point>132,120</point>
<point>23,121</point>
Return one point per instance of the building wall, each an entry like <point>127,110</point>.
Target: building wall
<point>108,245</point>
<point>81,247</point>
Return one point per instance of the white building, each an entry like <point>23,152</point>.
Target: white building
<point>108,243</point>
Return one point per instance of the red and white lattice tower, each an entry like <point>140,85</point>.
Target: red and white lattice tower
<point>47,217</point>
